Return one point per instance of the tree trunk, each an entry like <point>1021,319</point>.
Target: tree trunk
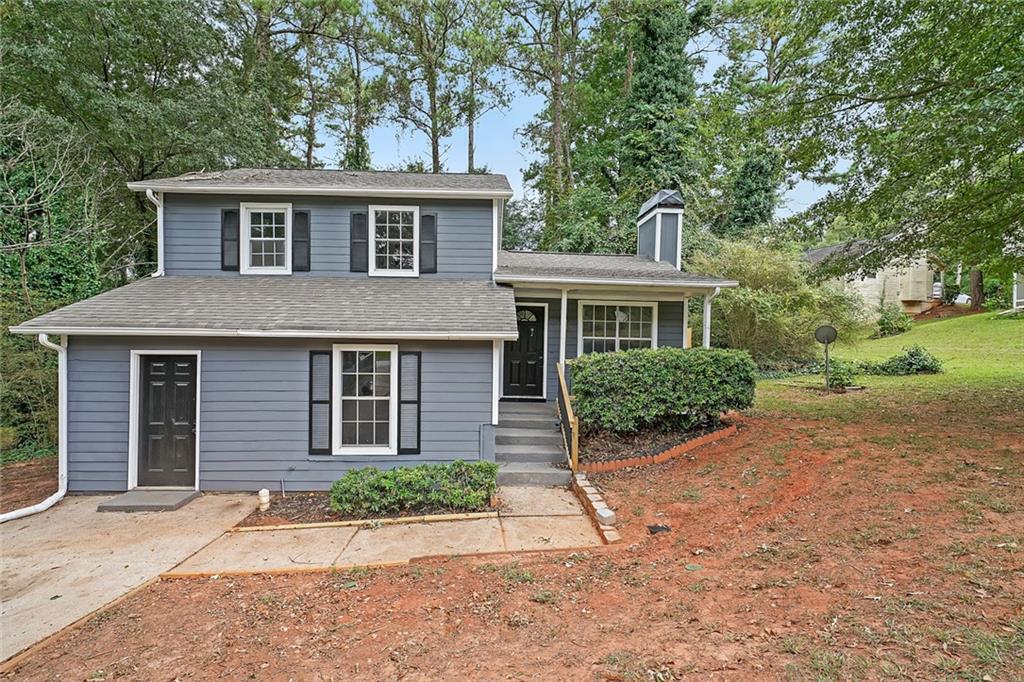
<point>977,289</point>
<point>471,124</point>
<point>435,135</point>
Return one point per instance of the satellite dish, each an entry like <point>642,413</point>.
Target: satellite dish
<point>825,334</point>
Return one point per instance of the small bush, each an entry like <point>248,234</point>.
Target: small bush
<point>891,321</point>
<point>670,387</point>
<point>457,486</point>
<point>913,360</point>
<point>841,374</point>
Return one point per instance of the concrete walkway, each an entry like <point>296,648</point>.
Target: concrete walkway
<point>531,518</point>
<point>66,562</point>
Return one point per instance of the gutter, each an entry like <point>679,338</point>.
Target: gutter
<point>264,333</point>
<point>424,193</point>
<point>689,284</point>
<point>158,201</point>
<point>62,431</point>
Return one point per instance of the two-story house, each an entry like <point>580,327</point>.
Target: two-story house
<point>301,323</point>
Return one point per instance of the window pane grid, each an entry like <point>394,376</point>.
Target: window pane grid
<point>366,398</point>
<point>267,239</point>
<point>608,328</point>
<point>394,244</point>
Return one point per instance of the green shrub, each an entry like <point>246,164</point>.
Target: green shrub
<point>841,374</point>
<point>670,387</point>
<point>913,360</point>
<point>891,321</point>
<point>456,486</point>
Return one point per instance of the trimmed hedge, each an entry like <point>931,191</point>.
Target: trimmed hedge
<point>670,387</point>
<point>428,488</point>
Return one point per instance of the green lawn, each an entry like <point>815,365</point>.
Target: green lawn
<point>983,359</point>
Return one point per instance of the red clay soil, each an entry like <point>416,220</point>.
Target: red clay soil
<point>25,483</point>
<point>942,312</point>
<point>798,549</point>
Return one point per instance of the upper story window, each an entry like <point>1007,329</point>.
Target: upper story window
<point>394,241</point>
<point>266,239</point>
<point>606,327</point>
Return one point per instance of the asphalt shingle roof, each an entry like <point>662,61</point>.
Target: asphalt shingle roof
<point>323,179</point>
<point>568,267</point>
<point>304,306</point>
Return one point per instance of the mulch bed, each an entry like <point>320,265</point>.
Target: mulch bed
<point>607,446</point>
<point>314,507</point>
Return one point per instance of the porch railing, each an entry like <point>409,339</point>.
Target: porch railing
<point>568,421</point>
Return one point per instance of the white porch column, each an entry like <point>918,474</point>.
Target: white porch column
<point>495,379</point>
<point>686,320</point>
<point>707,316</point>
<point>561,327</point>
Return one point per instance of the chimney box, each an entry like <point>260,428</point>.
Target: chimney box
<point>659,227</point>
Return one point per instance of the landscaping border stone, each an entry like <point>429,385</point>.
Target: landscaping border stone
<point>601,515</point>
<point>660,458</point>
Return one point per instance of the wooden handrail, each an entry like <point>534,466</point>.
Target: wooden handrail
<point>570,422</point>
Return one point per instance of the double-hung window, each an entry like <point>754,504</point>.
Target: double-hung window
<point>266,235</point>
<point>606,327</point>
<point>394,241</point>
<point>365,406</point>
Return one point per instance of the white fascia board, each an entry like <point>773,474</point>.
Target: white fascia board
<point>261,333</point>
<point>324,191</point>
<point>689,284</point>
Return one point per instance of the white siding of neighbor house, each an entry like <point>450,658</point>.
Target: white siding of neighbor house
<point>254,411</point>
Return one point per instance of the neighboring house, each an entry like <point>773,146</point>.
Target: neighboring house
<point>1018,291</point>
<point>302,323</point>
<point>911,286</point>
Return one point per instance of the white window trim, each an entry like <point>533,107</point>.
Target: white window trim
<point>336,447</point>
<point>653,305</point>
<point>134,401</point>
<point>372,242</point>
<point>544,364</point>
<point>243,239</point>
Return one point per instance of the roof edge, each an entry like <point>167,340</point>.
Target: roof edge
<point>690,284</point>
<point>262,333</point>
<point>323,190</point>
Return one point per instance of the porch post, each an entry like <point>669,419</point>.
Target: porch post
<point>561,327</point>
<point>686,320</point>
<point>707,316</point>
<point>495,379</point>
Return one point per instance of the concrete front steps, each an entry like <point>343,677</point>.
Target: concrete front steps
<point>528,445</point>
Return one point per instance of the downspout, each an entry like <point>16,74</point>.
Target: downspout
<point>158,201</point>
<point>62,433</point>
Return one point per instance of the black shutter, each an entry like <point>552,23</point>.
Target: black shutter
<point>428,243</point>
<point>320,402</point>
<point>359,246</point>
<point>300,241</point>
<point>409,372</point>
<point>229,239</point>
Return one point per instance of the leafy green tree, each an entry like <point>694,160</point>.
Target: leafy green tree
<point>522,225</point>
<point>754,193</point>
<point>419,37</point>
<point>923,101</point>
<point>483,46</point>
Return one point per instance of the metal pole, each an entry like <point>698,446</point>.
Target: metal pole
<point>827,367</point>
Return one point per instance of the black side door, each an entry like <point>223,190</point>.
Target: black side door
<point>524,357</point>
<point>167,424</point>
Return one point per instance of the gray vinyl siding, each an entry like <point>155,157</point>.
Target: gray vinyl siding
<point>669,238</point>
<point>645,238</point>
<point>670,331</point>
<point>192,233</point>
<point>254,411</point>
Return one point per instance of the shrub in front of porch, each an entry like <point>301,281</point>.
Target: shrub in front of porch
<point>424,489</point>
<point>668,388</point>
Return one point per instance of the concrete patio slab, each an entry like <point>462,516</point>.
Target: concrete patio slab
<point>537,501</point>
<point>148,501</point>
<point>548,532</point>
<point>400,543</point>
<point>64,563</point>
<point>269,551</point>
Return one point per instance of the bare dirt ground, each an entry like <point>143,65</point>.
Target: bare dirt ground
<point>864,539</point>
<point>25,483</point>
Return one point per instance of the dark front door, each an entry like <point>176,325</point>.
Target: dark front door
<point>167,427</point>
<point>524,357</point>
